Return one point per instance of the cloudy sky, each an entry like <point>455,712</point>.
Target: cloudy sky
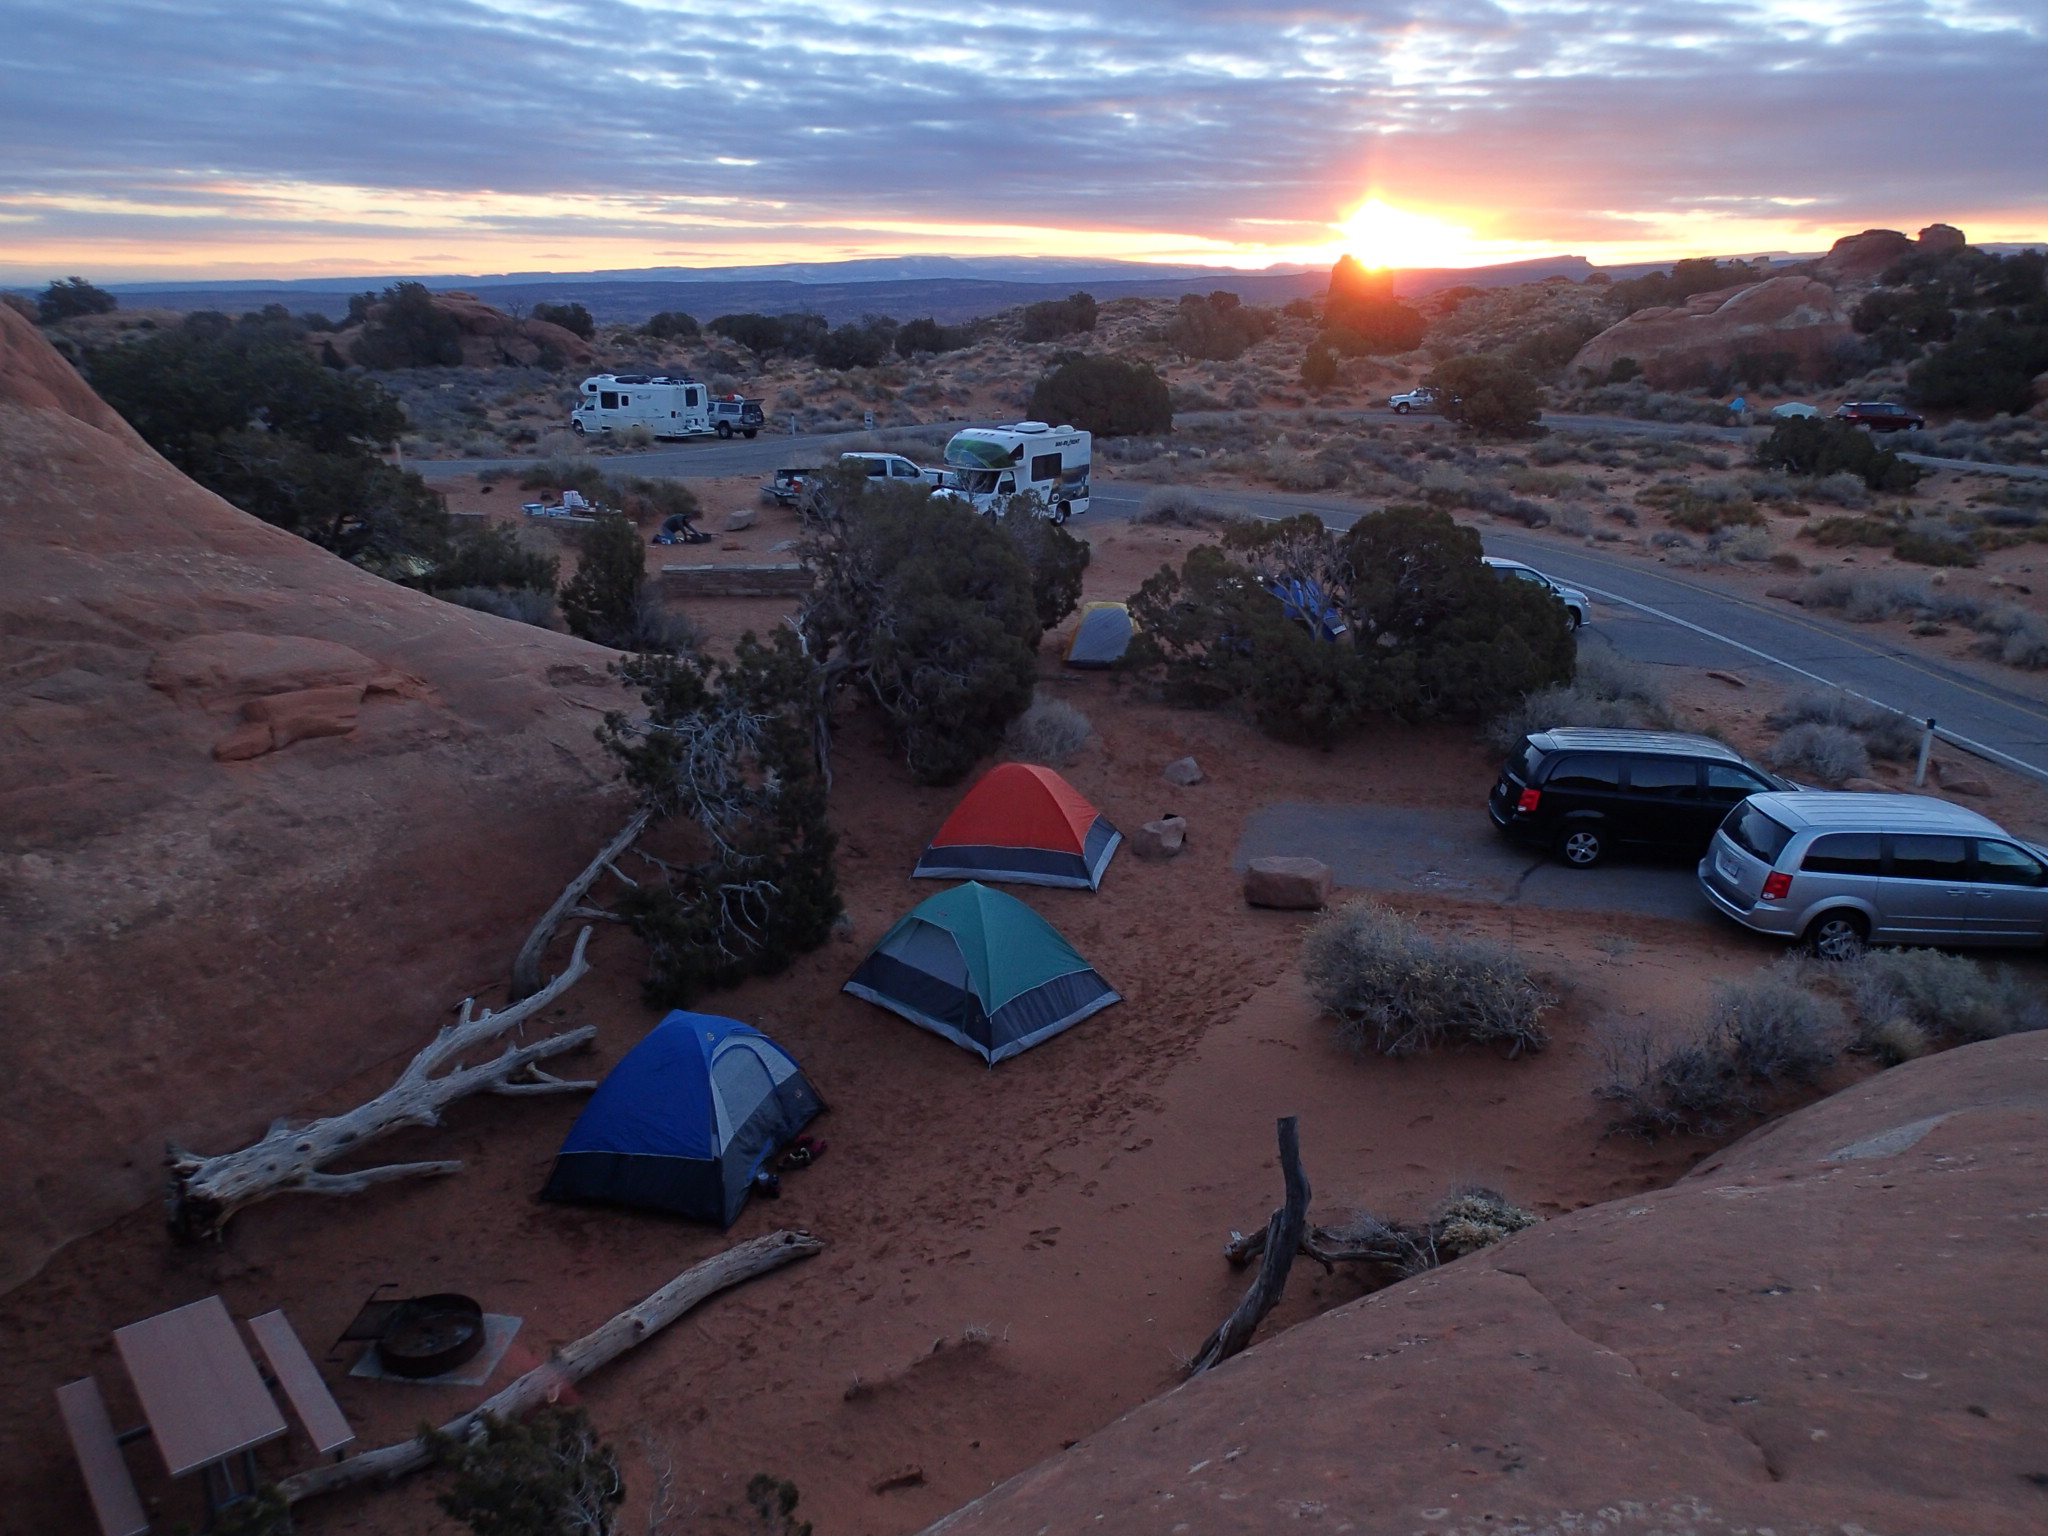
<point>316,137</point>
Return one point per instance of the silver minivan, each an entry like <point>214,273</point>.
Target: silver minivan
<point>1842,870</point>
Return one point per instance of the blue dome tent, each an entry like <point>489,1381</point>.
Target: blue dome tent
<point>685,1120</point>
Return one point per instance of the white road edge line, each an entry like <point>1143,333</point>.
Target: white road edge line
<point>1975,748</point>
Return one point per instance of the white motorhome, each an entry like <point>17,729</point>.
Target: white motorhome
<point>664,406</point>
<point>1048,464</point>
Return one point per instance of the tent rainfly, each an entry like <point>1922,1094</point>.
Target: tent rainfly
<point>982,969</point>
<point>1026,825</point>
<point>685,1120</point>
<point>1102,636</point>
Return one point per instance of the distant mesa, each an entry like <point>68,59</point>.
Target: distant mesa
<point>1794,322</point>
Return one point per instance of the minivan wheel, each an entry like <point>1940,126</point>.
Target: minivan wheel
<point>1581,847</point>
<point>1837,936</point>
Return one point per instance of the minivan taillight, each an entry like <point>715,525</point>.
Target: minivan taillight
<point>1531,798</point>
<point>1777,885</point>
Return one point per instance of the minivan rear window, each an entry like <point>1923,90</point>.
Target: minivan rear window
<point>1755,833</point>
<point>1523,764</point>
<point>1845,853</point>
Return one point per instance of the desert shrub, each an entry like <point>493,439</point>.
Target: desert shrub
<point>1051,732</point>
<point>1701,511</point>
<point>1216,326</point>
<point>1864,599</point>
<point>1928,542</point>
<point>249,413</point>
<point>2018,638</point>
<point>1474,1218</point>
<point>521,603</point>
<point>1776,1030</point>
<point>1745,544</point>
<point>1489,394</point>
<point>1606,691</point>
<point>1428,630</point>
<point>1842,488</point>
<point>1050,319</point>
<point>1943,997</point>
<point>1318,368</point>
<point>1292,470</point>
<point>853,346</point>
<point>928,609</point>
<point>927,337</point>
<point>1884,732</point>
<point>492,556</point>
<point>545,1475</point>
<point>759,334</point>
<point>1170,507</point>
<point>1825,752</point>
<point>733,747</point>
<point>73,297</point>
<point>1363,316</point>
<point>1056,557</point>
<point>672,325</point>
<point>403,328</point>
<point>575,319</point>
<point>1817,447</point>
<point>1397,990</point>
<point>1105,396</point>
<point>1989,366</point>
<point>560,475</point>
<point>601,602</point>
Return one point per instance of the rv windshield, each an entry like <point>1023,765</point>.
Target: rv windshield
<point>977,453</point>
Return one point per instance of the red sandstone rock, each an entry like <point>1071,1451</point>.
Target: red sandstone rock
<point>1795,317</point>
<point>1293,885</point>
<point>1941,237</point>
<point>263,815</point>
<point>1859,258</point>
<point>1836,1324</point>
<point>490,337</point>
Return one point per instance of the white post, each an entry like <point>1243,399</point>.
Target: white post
<point>1926,746</point>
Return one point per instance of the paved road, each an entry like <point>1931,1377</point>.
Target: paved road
<point>710,458</point>
<point>1459,854</point>
<point>1653,614</point>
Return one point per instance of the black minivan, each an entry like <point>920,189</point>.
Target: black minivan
<point>1585,792</point>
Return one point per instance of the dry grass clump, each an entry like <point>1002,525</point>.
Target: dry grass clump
<point>1605,691</point>
<point>1942,998</point>
<point>1397,990</point>
<point>1474,1218</point>
<point>1051,732</point>
<point>1884,732</point>
<point>1824,752</point>
<point>1169,507</point>
<point>1761,1035</point>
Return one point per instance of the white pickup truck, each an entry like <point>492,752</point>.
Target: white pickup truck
<point>1423,399</point>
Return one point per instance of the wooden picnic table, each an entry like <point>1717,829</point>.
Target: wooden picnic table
<point>200,1389</point>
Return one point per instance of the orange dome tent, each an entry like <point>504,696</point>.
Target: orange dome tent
<point>1024,824</point>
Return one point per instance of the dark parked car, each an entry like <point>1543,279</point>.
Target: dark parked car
<point>1583,793</point>
<point>1880,416</point>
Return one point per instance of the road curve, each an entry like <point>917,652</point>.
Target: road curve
<point>1653,614</point>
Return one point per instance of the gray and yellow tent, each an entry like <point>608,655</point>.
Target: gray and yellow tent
<point>982,969</point>
<point>1102,636</point>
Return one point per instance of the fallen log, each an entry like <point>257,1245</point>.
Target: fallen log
<point>526,966</point>
<point>570,1364</point>
<point>207,1191</point>
<point>1283,1238</point>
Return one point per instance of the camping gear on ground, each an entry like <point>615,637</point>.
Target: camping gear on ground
<point>982,969</point>
<point>1102,636</point>
<point>1024,824</point>
<point>685,1120</point>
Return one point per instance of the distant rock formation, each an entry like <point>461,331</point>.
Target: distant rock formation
<point>1861,258</point>
<point>264,817</point>
<point>1793,321</point>
<point>490,337</point>
<point>1836,1324</point>
<point>1941,237</point>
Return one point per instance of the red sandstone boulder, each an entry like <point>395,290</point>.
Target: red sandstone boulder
<point>1859,258</point>
<point>1941,237</point>
<point>1835,1325</point>
<point>1790,318</point>
<point>263,815</point>
<point>490,337</point>
<point>1292,885</point>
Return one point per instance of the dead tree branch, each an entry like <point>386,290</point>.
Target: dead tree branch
<point>1283,1238</point>
<point>526,968</point>
<point>207,1191</point>
<point>570,1364</point>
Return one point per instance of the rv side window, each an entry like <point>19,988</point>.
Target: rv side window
<point>689,397</point>
<point>1045,466</point>
<point>608,401</point>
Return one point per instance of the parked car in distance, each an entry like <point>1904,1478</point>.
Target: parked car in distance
<point>1880,416</point>
<point>1416,400</point>
<point>736,413</point>
<point>1793,408</point>
<point>1576,603</point>
<point>1839,871</point>
<point>1583,792</point>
